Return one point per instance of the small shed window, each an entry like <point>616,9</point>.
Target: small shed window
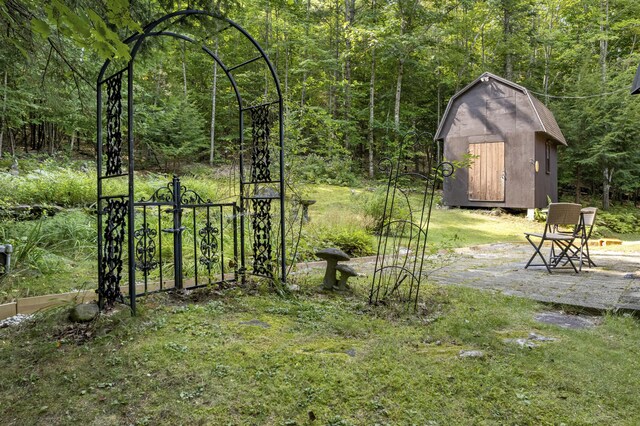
<point>547,157</point>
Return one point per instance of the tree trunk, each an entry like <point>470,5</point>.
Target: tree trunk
<point>158,83</point>
<point>267,31</point>
<point>578,187</point>
<point>416,147</point>
<point>606,187</point>
<point>12,140</point>
<point>604,44</point>
<point>349,14</point>
<point>372,91</point>
<point>506,35</point>
<point>25,134</point>
<point>287,54</point>
<point>39,137</point>
<point>52,132</point>
<point>333,102</point>
<point>604,23</point>
<point>482,47</point>
<point>184,67</point>
<point>303,91</point>
<point>73,141</point>
<point>3,121</point>
<point>396,111</point>
<point>545,81</point>
<point>213,107</point>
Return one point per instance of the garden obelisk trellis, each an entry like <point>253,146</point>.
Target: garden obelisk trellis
<point>131,229</point>
<point>403,230</point>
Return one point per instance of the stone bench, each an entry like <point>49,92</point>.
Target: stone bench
<point>5,257</point>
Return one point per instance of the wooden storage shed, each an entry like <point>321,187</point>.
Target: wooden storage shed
<point>513,138</point>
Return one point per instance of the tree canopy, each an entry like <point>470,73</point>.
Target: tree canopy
<point>354,74</point>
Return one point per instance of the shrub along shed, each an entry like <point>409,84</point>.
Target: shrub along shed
<point>513,140</point>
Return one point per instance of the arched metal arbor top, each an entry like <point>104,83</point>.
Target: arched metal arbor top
<point>261,162</point>
<point>151,30</point>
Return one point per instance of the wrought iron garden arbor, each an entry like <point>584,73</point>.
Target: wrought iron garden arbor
<point>204,241</point>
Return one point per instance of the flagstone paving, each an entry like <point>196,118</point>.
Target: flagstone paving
<point>614,284</point>
<point>611,285</point>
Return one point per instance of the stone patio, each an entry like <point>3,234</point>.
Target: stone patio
<point>614,284</point>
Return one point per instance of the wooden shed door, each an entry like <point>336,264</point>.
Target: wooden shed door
<point>486,174</point>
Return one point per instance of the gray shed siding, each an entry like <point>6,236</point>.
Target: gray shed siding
<point>492,111</point>
<point>546,183</point>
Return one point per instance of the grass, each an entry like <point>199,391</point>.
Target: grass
<point>334,359</point>
<point>342,206</point>
<point>246,356</point>
<point>57,254</point>
<point>51,255</point>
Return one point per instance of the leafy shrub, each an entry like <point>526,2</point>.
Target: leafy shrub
<point>174,130</point>
<point>68,187</point>
<point>346,232</point>
<point>373,205</point>
<point>332,170</point>
<point>64,187</point>
<point>619,222</point>
<point>354,242</point>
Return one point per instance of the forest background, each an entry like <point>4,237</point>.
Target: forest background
<point>354,74</point>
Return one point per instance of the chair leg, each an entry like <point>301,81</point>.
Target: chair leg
<point>589,261</point>
<point>554,258</point>
<point>537,248</point>
<point>574,252</point>
<point>564,253</point>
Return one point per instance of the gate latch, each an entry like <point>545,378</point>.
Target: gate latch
<point>173,230</point>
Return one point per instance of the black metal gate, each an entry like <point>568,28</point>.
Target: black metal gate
<point>184,241</point>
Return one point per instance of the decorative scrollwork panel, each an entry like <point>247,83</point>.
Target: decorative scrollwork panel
<point>164,194</point>
<point>113,148</point>
<point>146,249</point>
<point>261,225</point>
<point>260,132</point>
<point>189,196</point>
<point>209,247</point>
<point>112,245</point>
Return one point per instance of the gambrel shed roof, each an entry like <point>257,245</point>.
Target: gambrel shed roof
<point>545,119</point>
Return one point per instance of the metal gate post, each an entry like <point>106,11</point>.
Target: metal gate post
<point>177,233</point>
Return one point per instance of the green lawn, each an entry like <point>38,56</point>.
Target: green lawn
<point>343,206</point>
<point>247,356</point>
<point>329,358</point>
<point>58,254</point>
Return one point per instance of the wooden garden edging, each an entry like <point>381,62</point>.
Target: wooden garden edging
<point>29,305</point>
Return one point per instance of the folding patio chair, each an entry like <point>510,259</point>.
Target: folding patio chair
<point>559,215</point>
<point>581,252</point>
